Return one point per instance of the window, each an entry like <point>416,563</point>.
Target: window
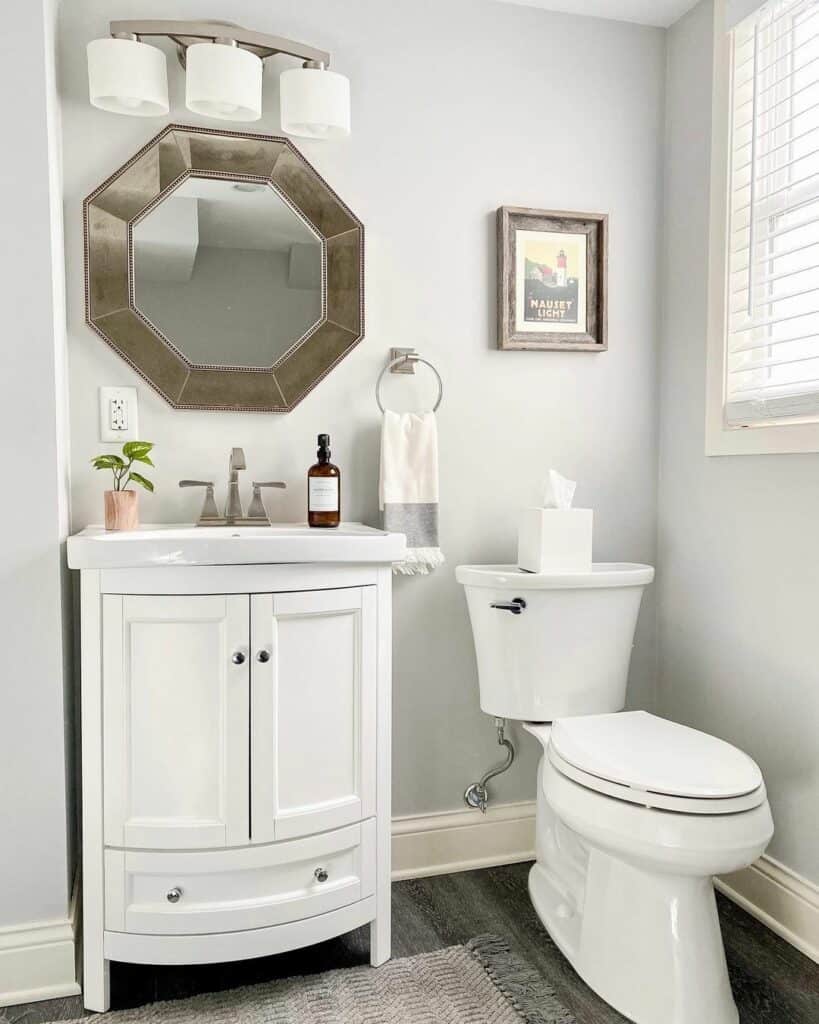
<point>769,317</point>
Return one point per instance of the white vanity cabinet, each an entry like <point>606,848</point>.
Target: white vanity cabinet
<point>236,749</point>
<point>175,719</point>
<point>312,711</point>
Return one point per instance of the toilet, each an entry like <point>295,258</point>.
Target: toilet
<point>635,814</point>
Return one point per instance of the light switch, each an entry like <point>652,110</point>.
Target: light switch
<point>118,415</point>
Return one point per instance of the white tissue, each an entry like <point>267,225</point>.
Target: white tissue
<point>558,492</point>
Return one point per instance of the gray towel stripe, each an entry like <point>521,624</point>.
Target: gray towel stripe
<point>418,521</point>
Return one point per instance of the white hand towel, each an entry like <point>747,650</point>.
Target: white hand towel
<point>408,488</point>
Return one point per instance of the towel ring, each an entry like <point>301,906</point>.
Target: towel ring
<point>409,359</point>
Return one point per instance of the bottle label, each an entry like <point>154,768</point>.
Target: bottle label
<point>323,494</point>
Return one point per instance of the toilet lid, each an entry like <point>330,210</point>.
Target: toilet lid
<point>651,754</point>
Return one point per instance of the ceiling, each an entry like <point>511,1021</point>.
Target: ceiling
<point>644,12</point>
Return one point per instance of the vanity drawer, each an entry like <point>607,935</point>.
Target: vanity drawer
<point>181,893</point>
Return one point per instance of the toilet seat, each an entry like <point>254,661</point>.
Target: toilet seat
<point>643,759</point>
<point>661,801</point>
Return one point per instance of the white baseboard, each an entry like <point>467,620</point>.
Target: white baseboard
<point>439,844</point>
<point>38,959</point>
<point>784,901</point>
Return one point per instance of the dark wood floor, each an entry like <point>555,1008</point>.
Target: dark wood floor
<point>773,983</point>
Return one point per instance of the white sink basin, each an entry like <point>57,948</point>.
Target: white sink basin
<point>183,544</point>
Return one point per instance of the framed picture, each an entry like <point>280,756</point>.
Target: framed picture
<point>552,269</point>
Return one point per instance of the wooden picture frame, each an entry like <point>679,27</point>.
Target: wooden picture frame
<point>552,280</point>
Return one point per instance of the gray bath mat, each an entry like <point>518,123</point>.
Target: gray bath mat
<point>480,983</point>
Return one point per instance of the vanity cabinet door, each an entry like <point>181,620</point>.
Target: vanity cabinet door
<point>312,711</point>
<point>175,721</point>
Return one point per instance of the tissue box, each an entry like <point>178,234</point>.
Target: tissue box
<point>555,540</point>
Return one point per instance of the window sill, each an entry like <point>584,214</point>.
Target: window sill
<point>781,439</point>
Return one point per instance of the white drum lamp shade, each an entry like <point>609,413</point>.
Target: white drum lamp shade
<point>127,77</point>
<point>223,81</point>
<point>315,103</point>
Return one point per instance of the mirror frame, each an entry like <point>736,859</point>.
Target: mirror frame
<point>150,176</point>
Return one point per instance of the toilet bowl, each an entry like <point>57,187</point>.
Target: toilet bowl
<point>635,814</point>
<point>623,874</point>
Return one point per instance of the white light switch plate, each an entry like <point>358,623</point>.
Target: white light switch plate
<point>118,415</point>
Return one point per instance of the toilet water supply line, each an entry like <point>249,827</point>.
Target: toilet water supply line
<point>477,795</point>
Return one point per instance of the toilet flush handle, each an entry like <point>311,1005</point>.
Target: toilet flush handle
<point>515,606</point>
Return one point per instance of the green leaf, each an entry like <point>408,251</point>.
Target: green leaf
<point>143,458</point>
<point>136,449</point>
<point>107,462</point>
<point>142,481</point>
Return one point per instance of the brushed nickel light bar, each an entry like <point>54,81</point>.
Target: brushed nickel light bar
<point>223,65</point>
<point>187,33</point>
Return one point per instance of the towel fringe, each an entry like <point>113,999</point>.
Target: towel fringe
<point>419,562</point>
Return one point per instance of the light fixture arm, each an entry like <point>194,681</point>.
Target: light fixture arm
<point>184,33</point>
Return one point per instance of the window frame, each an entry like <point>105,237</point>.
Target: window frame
<point>776,438</point>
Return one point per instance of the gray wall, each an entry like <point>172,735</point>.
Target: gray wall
<point>458,107</point>
<point>738,545</point>
<point>35,715</point>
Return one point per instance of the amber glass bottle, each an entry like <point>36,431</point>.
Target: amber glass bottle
<point>324,488</point>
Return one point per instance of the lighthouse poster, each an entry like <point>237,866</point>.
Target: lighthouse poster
<point>550,281</point>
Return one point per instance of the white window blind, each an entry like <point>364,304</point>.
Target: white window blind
<point>772,320</point>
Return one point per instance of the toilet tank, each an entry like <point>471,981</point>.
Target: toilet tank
<point>567,648</point>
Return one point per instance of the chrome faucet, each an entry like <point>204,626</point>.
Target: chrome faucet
<point>234,512</point>
<point>233,506</point>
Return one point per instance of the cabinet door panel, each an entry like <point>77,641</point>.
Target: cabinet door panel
<point>175,721</point>
<point>313,711</point>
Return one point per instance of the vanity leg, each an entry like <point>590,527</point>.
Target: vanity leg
<point>381,926</point>
<point>96,995</point>
<point>380,942</point>
<point>96,989</point>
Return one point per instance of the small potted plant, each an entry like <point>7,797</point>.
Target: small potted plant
<point>122,504</point>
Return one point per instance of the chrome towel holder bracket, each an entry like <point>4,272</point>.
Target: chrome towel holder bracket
<point>403,360</point>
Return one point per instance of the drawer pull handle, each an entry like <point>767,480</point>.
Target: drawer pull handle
<point>320,874</point>
<point>263,656</point>
<point>174,895</point>
<point>238,658</point>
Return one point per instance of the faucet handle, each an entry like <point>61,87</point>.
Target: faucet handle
<point>209,509</point>
<point>257,509</point>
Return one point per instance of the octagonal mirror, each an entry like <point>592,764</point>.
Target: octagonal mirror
<point>221,261</point>
<point>224,270</point>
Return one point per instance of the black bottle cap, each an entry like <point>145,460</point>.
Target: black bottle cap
<point>324,440</point>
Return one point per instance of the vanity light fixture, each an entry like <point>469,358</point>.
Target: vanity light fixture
<point>223,62</point>
<point>127,77</point>
<point>315,102</point>
<point>223,81</point>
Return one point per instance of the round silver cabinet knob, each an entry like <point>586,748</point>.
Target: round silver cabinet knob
<point>173,895</point>
<point>238,658</point>
<point>263,656</point>
<point>321,875</point>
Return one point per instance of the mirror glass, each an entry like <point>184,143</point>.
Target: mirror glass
<point>228,271</point>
